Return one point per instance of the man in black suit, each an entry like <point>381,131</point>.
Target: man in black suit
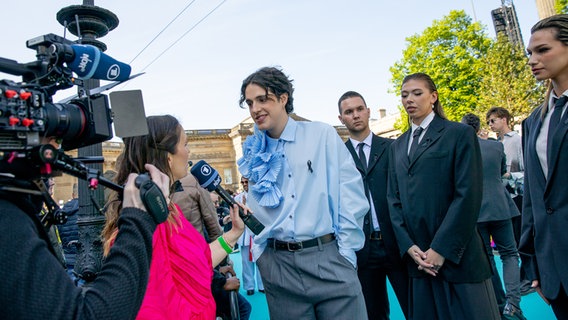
<point>379,257</point>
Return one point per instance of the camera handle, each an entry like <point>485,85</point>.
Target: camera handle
<point>151,195</point>
<point>50,156</point>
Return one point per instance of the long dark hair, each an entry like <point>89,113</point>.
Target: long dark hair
<point>164,133</point>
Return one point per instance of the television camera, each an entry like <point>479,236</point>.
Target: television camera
<point>28,116</point>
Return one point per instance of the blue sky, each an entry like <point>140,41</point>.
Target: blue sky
<point>326,46</point>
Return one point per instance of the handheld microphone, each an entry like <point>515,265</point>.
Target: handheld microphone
<point>209,179</point>
<point>88,62</point>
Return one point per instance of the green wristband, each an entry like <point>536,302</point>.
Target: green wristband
<point>225,245</point>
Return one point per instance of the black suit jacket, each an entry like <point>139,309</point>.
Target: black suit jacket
<point>544,237</point>
<point>497,203</point>
<point>435,199</point>
<point>375,180</point>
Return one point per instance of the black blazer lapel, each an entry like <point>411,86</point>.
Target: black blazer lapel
<point>535,126</point>
<point>557,140</point>
<point>378,149</point>
<point>433,133</point>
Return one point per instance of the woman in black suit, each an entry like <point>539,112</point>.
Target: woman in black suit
<point>434,195</point>
<point>545,209</point>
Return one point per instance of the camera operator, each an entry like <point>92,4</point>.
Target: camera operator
<point>33,282</point>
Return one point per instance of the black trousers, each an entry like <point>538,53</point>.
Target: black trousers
<point>373,277</point>
<point>560,304</point>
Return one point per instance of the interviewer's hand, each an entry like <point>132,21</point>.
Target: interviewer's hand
<point>238,227</point>
<point>131,194</point>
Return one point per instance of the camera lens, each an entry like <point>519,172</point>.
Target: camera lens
<point>65,121</point>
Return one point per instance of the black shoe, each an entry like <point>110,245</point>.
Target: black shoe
<point>526,288</point>
<point>512,312</point>
<point>250,292</point>
<point>261,291</point>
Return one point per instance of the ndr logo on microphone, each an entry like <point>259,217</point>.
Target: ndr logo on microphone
<point>113,72</point>
<point>206,170</point>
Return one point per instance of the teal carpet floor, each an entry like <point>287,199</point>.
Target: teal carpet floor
<point>532,305</point>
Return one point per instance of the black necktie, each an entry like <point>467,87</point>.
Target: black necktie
<point>553,124</point>
<point>362,157</point>
<point>414,145</point>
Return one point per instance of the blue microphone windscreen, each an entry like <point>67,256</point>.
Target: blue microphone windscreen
<point>207,177</point>
<point>91,63</point>
<point>86,60</point>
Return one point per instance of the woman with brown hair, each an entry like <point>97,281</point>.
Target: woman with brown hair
<point>182,262</point>
<point>434,197</point>
<point>545,206</point>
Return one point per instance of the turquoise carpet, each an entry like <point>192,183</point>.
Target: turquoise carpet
<point>532,305</point>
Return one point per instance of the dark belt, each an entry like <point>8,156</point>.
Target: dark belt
<point>296,246</point>
<point>376,235</point>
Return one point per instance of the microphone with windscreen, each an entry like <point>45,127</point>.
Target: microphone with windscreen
<point>209,179</point>
<point>89,62</point>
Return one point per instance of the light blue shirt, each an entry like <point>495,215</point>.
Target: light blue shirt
<point>322,191</point>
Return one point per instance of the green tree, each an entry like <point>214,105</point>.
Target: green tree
<point>507,81</point>
<point>561,6</point>
<point>451,52</point>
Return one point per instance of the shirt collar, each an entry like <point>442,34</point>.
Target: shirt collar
<point>426,122</point>
<point>366,141</point>
<point>553,97</point>
<point>289,133</point>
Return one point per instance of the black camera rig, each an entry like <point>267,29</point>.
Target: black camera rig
<point>28,115</point>
<point>27,111</point>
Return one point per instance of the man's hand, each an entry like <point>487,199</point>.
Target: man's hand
<point>227,269</point>
<point>232,284</point>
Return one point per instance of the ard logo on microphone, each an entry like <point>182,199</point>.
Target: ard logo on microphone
<point>206,170</point>
<point>113,72</point>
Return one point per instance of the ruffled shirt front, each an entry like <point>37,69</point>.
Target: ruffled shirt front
<point>261,163</point>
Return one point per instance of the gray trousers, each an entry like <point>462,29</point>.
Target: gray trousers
<point>502,232</point>
<point>313,283</point>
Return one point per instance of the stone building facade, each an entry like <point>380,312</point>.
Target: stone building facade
<point>545,8</point>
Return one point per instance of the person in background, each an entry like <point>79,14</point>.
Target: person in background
<point>545,141</point>
<point>379,257</point>
<point>199,210</point>
<point>495,223</point>
<point>499,120</point>
<point>224,283</point>
<point>434,195</point>
<point>250,270</point>
<point>304,188</point>
<point>181,272</point>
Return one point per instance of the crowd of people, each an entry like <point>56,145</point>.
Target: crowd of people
<point>340,217</point>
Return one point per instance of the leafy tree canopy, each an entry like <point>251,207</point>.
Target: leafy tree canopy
<point>561,6</point>
<point>507,81</point>
<point>472,72</point>
<point>451,52</point>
